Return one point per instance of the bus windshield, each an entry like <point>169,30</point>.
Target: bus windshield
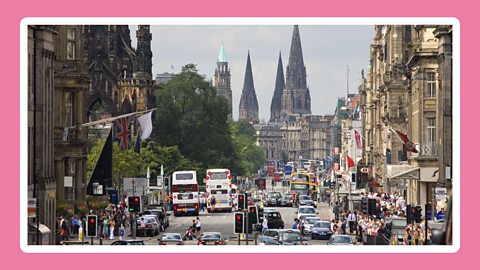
<point>184,176</point>
<point>218,175</point>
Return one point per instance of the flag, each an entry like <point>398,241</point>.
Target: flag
<point>350,162</point>
<point>123,133</point>
<point>407,144</point>
<point>146,124</point>
<point>358,139</point>
<point>102,173</point>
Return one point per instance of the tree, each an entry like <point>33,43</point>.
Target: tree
<point>191,116</point>
<point>250,157</point>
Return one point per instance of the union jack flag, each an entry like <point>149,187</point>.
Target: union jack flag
<point>123,133</point>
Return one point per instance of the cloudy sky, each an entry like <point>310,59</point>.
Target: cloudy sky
<point>327,51</point>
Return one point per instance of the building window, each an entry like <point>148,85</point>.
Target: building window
<point>71,43</point>
<point>68,109</point>
<point>431,131</point>
<point>431,84</point>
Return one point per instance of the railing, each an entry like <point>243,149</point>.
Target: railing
<point>429,150</point>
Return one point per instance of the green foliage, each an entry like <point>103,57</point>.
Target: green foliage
<point>250,156</point>
<point>191,116</point>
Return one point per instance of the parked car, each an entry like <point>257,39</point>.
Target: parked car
<point>162,215</point>
<point>287,200</point>
<point>305,211</point>
<point>171,239</point>
<point>274,220</point>
<point>211,238</point>
<point>307,224</point>
<point>339,239</point>
<point>151,226</point>
<point>322,230</point>
<point>128,243</point>
<point>306,200</point>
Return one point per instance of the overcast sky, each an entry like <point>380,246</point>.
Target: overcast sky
<point>327,51</point>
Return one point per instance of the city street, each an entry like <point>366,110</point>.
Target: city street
<point>223,223</point>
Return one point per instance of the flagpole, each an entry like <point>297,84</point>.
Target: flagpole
<point>111,119</point>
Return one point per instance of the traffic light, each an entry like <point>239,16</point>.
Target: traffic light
<point>242,201</point>
<point>364,205</point>
<point>134,205</point>
<point>418,214</point>
<point>372,206</point>
<point>409,213</point>
<point>239,223</point>
<point>253,214</point>
<point>92,225</point>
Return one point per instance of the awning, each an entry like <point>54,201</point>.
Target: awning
<point>43,229</point>
<point>403,172</point>
<point>423,174</point>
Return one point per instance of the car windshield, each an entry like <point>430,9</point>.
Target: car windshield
<point>274,195</point>
<point>311,220</point>
<point>172,237</point>
<point>210,236</point>
<point>305,198</point>
<point>274,215</point>
<point>306,210</point>
<point>287,196</point>
<point>322,225</point>
<point>341,239</point>
<point>291,236</point>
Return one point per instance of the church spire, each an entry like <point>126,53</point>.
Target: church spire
<point>296,96</point>
<point>248,101</point>
<point>276,106</point>
<point>296,74</point>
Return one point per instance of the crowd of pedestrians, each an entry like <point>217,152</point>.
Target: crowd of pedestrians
<point>363,225</point>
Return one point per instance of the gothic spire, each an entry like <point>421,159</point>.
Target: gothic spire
<point>248,101</point>
<point>276,106</point>
<point>296,74</point>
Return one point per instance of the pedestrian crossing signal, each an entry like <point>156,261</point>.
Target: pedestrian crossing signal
<point>239,223</point>
<point>92,225</point>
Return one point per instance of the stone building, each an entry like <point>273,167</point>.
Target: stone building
<point>269,137</point>
<point>41,170</point>
<point>119,73</point>
<point>71,83</point>
<point>319,142</point>
<point>248,100</point>
<point>405,92</point>
<point>222,78</point>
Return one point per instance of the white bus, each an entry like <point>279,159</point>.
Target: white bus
<point>185,193</point>
<point>219,185</point>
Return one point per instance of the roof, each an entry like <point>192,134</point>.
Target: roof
<point>222,56</point>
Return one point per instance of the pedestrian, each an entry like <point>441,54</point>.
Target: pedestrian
<point>336,210</point>
<point>213,201</point>
<point>63,228</point>
<point>198,227</point>
<point>264,224</point>
<point>105,226</point>
<point>121,231</point>
<point>344,227</point>
<point>76,225</point>
<point>112,228</point>
<point>143,226</point>
<point>352,219</point>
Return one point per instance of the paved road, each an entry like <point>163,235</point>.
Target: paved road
<point>223,222</point>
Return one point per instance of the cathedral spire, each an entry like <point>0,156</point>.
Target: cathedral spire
<point>276,106</point>
<point>296,74</point>
<point>296,96</point>
<point>248,101</point>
